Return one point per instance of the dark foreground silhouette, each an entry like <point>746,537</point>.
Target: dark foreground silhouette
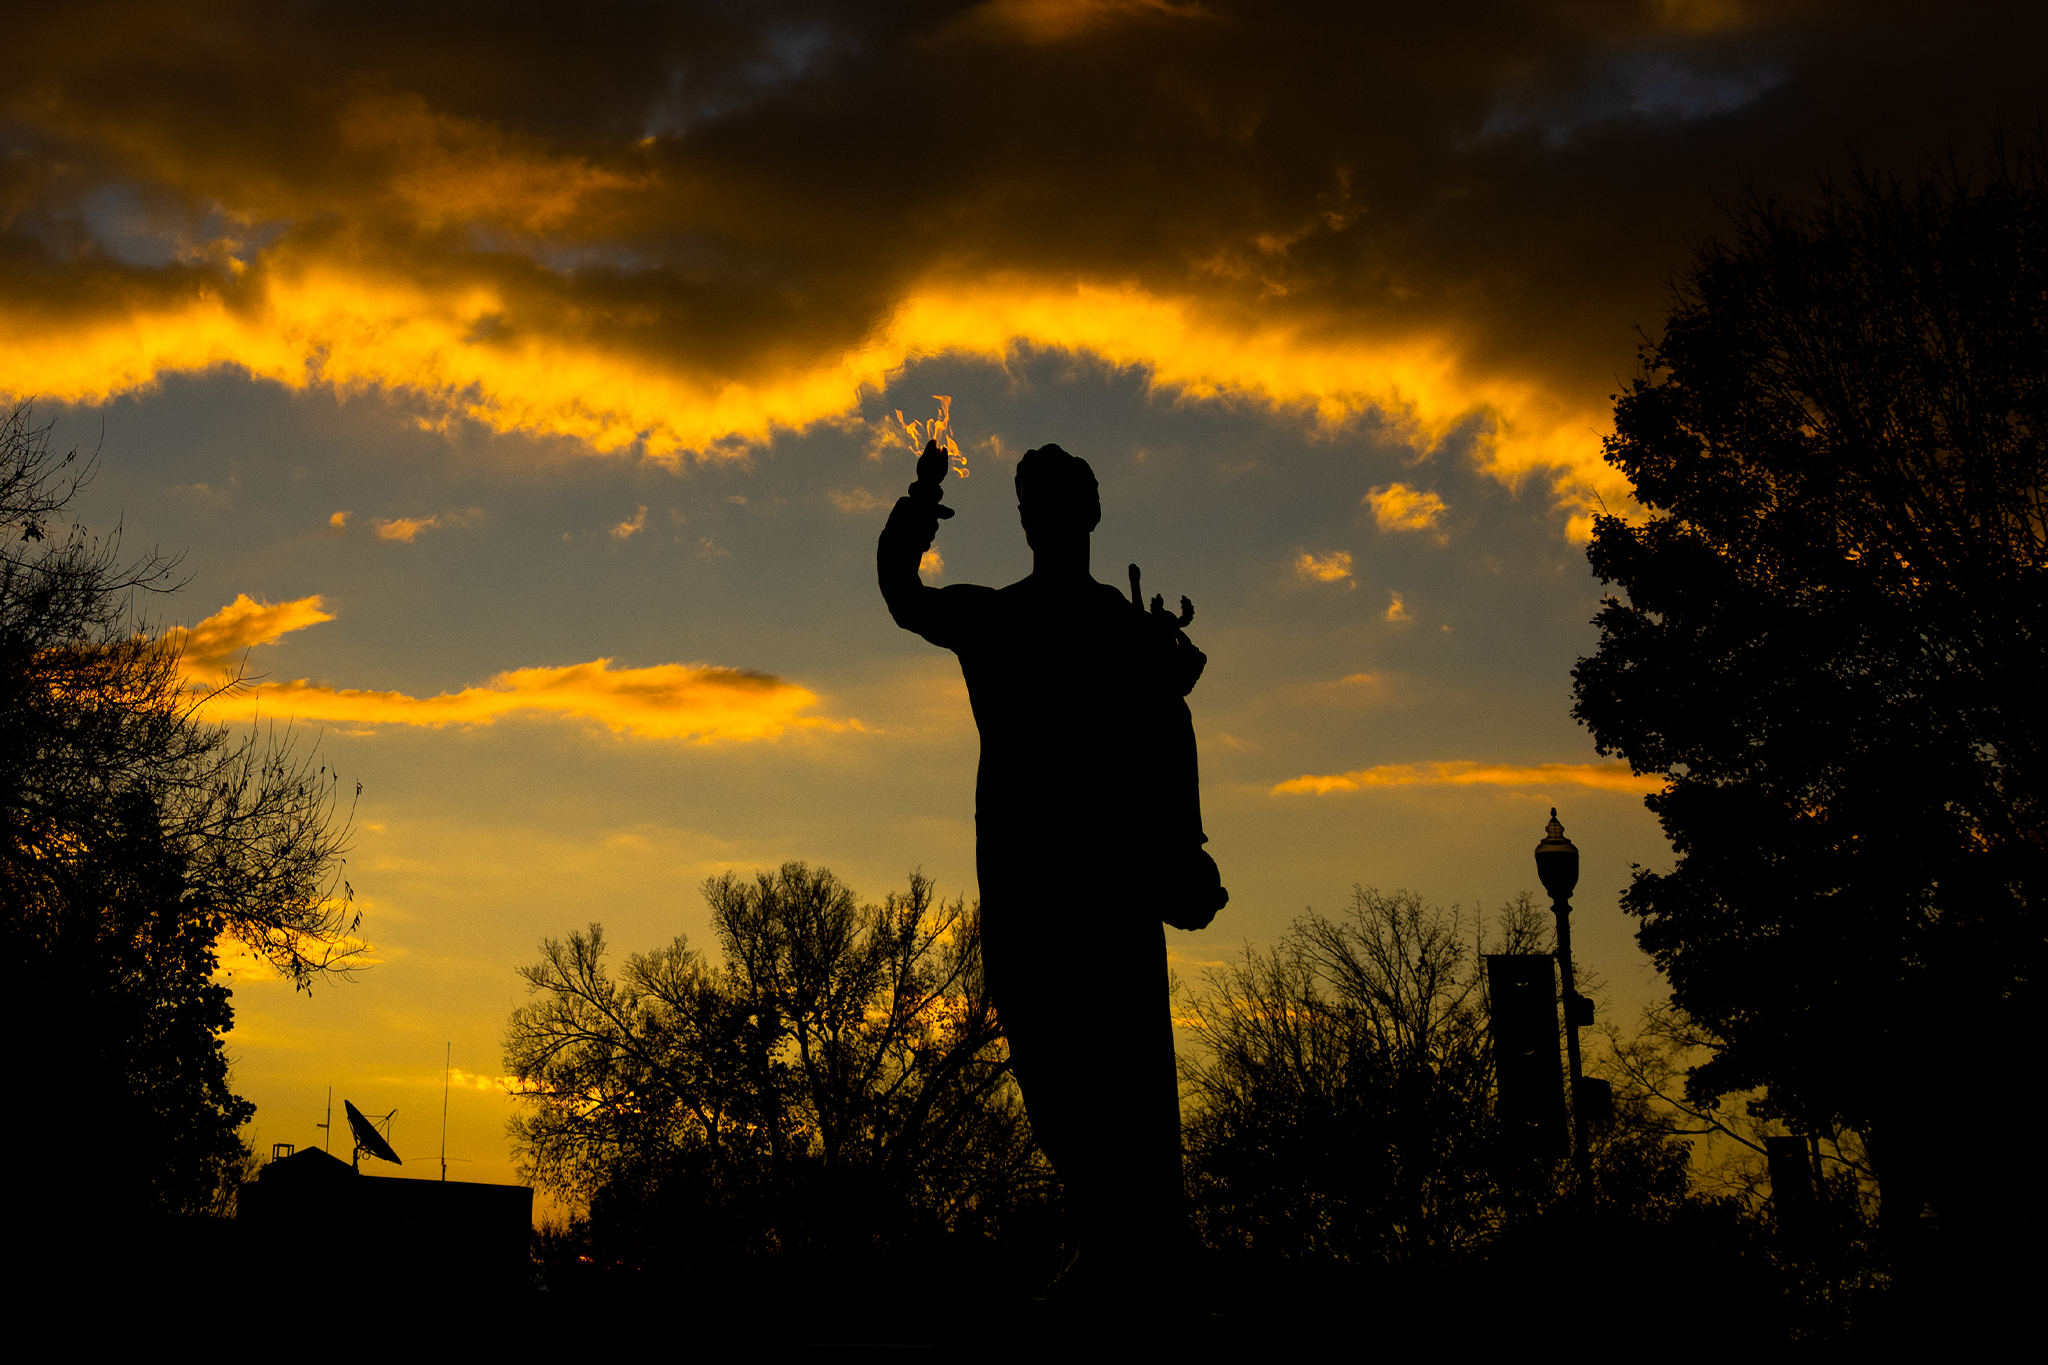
<point>1088,835</point>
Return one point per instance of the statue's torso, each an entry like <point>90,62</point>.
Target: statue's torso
<point>1082,728</point>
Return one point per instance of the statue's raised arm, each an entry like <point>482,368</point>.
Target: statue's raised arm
<point>913,525</point>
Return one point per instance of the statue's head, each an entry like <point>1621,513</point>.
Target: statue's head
<point>1056,494</point>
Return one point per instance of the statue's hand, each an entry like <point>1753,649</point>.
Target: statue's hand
<point>931,473</point>
<point>932,465</point>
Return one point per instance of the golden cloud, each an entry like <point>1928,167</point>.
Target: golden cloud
<point>697,702</point>
<point>1334,567</point>
<point>1420,382</point>
<point>631,526</point>
<point>210,653</point>
<point>1606,776</point>
<point>1397,607</point>
<point>472,1080</point>
<point>405,528</point>
<point>1398,507</point>
<point>470,347</point>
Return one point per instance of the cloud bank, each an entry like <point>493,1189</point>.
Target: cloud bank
<point>680,230</point>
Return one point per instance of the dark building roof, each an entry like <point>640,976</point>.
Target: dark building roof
<point>307,1165</point>
<point>434,1228</point>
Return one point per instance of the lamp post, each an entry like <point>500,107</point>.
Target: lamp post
<point>1557,867</point>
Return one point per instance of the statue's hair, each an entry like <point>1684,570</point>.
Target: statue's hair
<point>1050,478</point>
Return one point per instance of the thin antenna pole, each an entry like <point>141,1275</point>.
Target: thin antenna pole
<point>446,1059</point>
<point>327,1142</point>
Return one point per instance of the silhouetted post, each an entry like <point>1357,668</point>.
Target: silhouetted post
<point>1557,867</point>
<point>1794,1196</point>
<point>1521,991</point>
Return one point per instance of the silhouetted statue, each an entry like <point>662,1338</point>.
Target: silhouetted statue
<point>1088,833</point>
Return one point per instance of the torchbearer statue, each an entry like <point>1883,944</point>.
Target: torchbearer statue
<point>1088,828</point>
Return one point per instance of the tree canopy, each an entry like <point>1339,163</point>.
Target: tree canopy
<point>1340,1094</point>
<point>1829,640</point>
<point>132,837</point>
<point>837,1084</point>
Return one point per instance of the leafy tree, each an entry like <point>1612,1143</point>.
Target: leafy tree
<point>836,1085</point>
<point>1830,644</point>
<point>137,975</point>
<point>131,838</point>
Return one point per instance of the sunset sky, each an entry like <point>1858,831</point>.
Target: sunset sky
<point>518,383</point>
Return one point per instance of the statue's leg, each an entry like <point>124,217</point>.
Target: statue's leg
<point>1137,1096</point>
<point>1082,996</point>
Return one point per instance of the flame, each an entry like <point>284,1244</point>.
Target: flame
<point>939,429</point>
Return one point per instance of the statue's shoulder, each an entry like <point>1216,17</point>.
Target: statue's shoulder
<point>1108,595</point>
<point>967,609</point>
<point>1028,594</point>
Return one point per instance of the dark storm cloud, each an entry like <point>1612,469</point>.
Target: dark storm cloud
<point>663,225</point>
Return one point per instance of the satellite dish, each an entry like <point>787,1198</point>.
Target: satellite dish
<point>368,1139</point>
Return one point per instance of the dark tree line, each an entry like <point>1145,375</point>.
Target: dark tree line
<point>832,1100</point>
<point>133,837</point>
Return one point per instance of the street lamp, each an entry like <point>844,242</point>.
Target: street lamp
<point>1557,867</point>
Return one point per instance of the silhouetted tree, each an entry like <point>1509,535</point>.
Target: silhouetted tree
<point>838,1084</point>
<point>1341,1133</point>
<point>131,838</point>
<point>1340,1096</point>
<point>1831,645</point>
<point>1828,1270</point>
